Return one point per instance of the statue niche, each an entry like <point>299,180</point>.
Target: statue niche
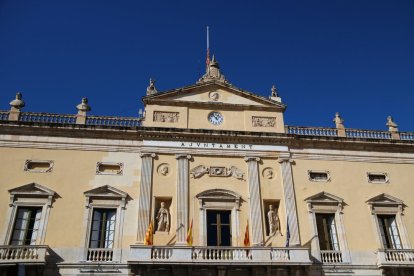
<point>163,218</point>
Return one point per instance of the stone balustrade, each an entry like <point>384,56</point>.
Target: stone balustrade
<point>213,254</point>
<point>47,118</point>
<point>100,255</point>
<point>367,134</point>
<point>395,257</point>
<point>4,115</point>
<point>331,256</point>
<point>22,254</point>
<point>112,121</point>
<point>311,131</point>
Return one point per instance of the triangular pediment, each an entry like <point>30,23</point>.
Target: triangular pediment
<point>32,189</point>
<point>324,198</point>
<point>385,199</point>
<point>212,94</point>
<point>106,191</point>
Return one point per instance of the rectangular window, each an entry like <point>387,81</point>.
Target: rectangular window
<point>328,238</point>
<point>103,228</point>
<point>389,232</point>
<point>26,226</point>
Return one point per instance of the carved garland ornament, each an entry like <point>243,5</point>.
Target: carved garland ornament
<point>201,170</point>
<point>263,121</point>
<point>165,117</point>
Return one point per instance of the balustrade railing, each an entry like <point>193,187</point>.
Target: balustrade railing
<point>331,256</point>
<point>407,136</point>
<point>370,134</point>
<point>396,256</point>
<point>221,254</point>
<point>4,115</point>
<point>47,118</point>
<point>277,254</point>
<point>112,121</point>
<point>29,253</point>
<point>161,253</point>
<point>100,255</point>
<point>312,131</point>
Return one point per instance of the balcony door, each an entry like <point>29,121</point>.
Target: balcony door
<point>218,228</point>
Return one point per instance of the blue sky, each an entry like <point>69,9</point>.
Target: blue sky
<point>351,56</point>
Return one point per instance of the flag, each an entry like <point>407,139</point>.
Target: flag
<point>189,238</point>
<point>149,235</point>
<point>208,57</point>
<point>208,48</point>
<point>287,233</point>
<point>246,236</point>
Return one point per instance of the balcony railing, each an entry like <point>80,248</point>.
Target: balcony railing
<point>395,257</point>
<point>100,255</point>
<point>22,254</point>
<point>212,254</point>
<point>331,256</point>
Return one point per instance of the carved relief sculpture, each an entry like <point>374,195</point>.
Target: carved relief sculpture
<point>166,117</point>
<point>163,218</point>
<point>163,169</point>
<point>268,173</point>
<point>263,121</point>
<point>199,171</point>
<point>273,220</point>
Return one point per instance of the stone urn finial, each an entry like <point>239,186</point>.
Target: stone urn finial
<point>83,107</point>
<point>151,90</point>
<point>17,103</point>
<point>392,126</point>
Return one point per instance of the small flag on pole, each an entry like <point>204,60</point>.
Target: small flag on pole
<point>190,234</point>
<point>149,235</point>
<point>287,233</point>
<point>246,235</point>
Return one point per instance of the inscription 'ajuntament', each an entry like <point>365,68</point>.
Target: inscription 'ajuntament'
<point>263,121</point>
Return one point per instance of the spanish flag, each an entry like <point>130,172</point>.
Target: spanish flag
<point>149,235</point>
<point>190,234</point>
<point>246,235</point>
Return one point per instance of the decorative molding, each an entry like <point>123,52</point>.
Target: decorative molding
<point>147,154</point>
<point>166,117</point>
<point>37,166</point>
<point>31,190</point>
<point>325,199</point>
<point>117,168</point>
<point>313,178</point>
<point>393,204</point>
<point>181,156</point>
<point>371,176</point>
<point>251,158</point>
<point>263,121</point>
<point>215,171</point>
<point>103,192</point>
<point>214,95</point>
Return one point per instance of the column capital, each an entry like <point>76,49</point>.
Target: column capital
<point>182,156</point>
<point>147,154</point>
<point>285,159</point>
<point>251,158</point>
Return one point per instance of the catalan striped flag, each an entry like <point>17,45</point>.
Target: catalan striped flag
<point>246,235</point>
<point>149,236</point>
<point>189,238</point>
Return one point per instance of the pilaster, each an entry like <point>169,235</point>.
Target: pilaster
<point>290,200</point>
<point>144,201</point>
<point>256,220</point>
<point>182,198</point>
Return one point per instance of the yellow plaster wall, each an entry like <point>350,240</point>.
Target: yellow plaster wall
<point>74,172</point>
<point>349,181</point>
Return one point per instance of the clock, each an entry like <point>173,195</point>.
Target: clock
<point>215,118</point>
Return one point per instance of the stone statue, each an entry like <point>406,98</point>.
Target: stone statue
<point>151,88</point>
<point>273,219</point>
<point>163,219</point>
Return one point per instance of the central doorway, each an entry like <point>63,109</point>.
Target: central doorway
<point>218,228</point>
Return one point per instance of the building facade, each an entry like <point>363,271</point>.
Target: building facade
<point>209,181</point>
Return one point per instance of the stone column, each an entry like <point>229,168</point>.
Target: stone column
<point>182,198</point>
<point>144,201</point>
<point>256,221</point>
<point>290,200</point>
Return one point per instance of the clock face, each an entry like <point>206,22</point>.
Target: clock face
<point>215,118</point>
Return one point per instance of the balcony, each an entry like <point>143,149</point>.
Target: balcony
<point>27,254</point>
<point>395,257</point>
<point>100,255</point>
<point>331,257</point>
<point>222,255</point>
